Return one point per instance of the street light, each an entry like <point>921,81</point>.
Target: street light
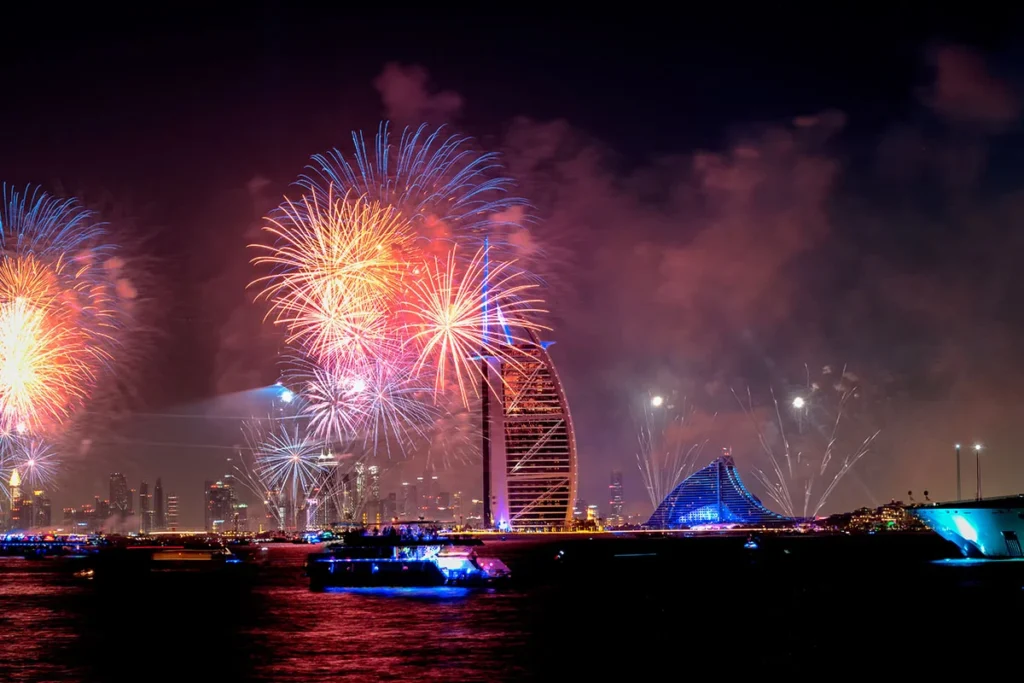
<point>958,471</point>
<point>977,460</point>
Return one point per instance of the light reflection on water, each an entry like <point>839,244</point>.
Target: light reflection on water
<point>404,634</point>
<point>971,562</point>
<point>33,625</point>
<point>557,620</point>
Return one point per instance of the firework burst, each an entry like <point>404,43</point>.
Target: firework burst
<point>58,308</point>
<point>368,280</point>
<point>332,398</point>
<point>337,263</point>
<point>670,444</point>
<point>454,313</point>
<point>36,462</point>
<point>287,462</point>
<point>438,181</point>
<point>808,450</point>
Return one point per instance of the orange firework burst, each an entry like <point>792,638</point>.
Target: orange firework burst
<point>455,310</point>
<point>43,364</point>
<point>337,263</point>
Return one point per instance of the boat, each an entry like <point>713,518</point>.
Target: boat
<point>397,560</point>
<point>983,528</point>
<point>130,561</point>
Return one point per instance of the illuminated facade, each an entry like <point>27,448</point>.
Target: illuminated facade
<point>532,444</point>
<point>992,527</point>
<point>172,513</point>
<point>713,495</point>
<point>615,499</point>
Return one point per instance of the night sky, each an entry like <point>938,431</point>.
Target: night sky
<point>722,201</point>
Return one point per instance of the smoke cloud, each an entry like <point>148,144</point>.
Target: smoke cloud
<point>407,99</point>
<point>792,246</point>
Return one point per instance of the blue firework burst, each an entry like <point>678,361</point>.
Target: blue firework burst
<point>431,177</point>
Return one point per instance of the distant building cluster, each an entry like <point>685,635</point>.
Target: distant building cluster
<point>353,497</point>
<point>892,516</point>
<point>118,512</point>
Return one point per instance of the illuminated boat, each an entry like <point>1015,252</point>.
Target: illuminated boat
<point>990,527</point>
<point>361,561</point>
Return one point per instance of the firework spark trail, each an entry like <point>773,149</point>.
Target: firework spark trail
<point>449,322</point>
<point>380,404</point>
<point>800,470</point>
<point>337,262</point>
<point>665,457</point>
<point>454,437</point>
<point>243,472</point>
<point>778,488</point>
<point>58,308</point>
<point>393,408</point>
<point>331,397</point>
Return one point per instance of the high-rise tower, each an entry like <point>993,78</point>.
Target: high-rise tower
<point>532,445</point>
<point>158,506</point>
<point>120,497</point>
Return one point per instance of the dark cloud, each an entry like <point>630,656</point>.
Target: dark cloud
<point>965,89</point>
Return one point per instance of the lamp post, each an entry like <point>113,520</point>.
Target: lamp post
<point>977,461</point>
<point>958,471</point>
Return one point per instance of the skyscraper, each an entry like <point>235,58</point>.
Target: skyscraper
<point>530,462</point>
<point>348,499</point>
<point>43,513</point>
<point>172,513</point>
<point>409,506</point>
<point>145,508</point>
<point>240,518</point>
<point>615,499</point>
<point>219,506</point>
<point>158,506</point>
<point>120,498</point>
<point>15,489</point>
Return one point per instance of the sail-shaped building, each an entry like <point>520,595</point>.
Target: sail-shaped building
<point>529,444</point>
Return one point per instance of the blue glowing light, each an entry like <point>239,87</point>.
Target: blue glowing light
<point>712,495</point>
<point>434,592</point>
<point>964,528</point>
<point>287,396</point>
<point>703,514</point>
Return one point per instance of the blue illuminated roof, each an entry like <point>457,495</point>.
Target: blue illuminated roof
<point>712,495</point>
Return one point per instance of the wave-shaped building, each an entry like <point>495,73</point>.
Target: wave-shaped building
<point>529,443</point>
<point>713,495</point>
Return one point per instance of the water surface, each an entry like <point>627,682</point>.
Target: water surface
<point>597,607</point>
